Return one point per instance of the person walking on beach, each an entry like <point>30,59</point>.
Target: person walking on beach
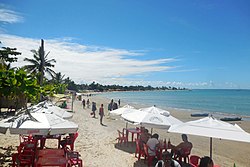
<point>119,102</point>
<point>83,103</point>
<point>111,104</point>
<point>93,109</point>
<point>101,113</point>
<point>88,103</point>
<point>115,106</point>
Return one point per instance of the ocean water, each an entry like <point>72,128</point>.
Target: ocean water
<point>220,101</point>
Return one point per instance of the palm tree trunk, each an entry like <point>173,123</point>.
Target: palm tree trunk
<point>41,54</point>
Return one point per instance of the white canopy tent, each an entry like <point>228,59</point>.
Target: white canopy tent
<point>213,128</point>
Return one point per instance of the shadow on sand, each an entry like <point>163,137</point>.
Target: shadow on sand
<point>130,148</point>
<point>5,155</point>
<point>127,147</point>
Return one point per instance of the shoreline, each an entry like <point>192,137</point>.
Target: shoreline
<point>98,146</point>
<point>217,114</point>
<point>238,153</point>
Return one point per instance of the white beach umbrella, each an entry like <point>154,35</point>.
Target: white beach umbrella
<point>125,109</point>
<point>155,110</point>
<point>4,125</point>
<point>49,108</point>
<point>213,128</point>
<point>148,119</point>
<point>41,124</point>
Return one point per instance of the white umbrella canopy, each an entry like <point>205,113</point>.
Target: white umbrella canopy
<point>49,108</point>
<point>155,110</point>
<point>125,109</point>
<point>213,128</point>
<point>148,119</point>
<point>4,125</point>
<point>42,124</point>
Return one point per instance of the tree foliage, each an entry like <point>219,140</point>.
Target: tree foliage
<point>7,56</point>
<point>102,88</point>
<point>15,84</point>
<point>40,64</point>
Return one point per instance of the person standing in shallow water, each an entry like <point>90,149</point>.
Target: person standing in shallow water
<point>101,113</point>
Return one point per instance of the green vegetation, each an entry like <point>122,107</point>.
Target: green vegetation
<point>20,85</point>
<point>40,64</point>
<point>103,88</point>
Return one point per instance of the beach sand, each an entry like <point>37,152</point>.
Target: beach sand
<point>98,147</point>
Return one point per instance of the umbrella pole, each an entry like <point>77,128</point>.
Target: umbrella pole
<point>211,143</point>
<point>72,102</point>
<point>151,131</point>
<point>126,125</point>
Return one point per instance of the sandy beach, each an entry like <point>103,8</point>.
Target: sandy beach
<point>98,147</point>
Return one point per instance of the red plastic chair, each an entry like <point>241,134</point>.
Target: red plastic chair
<point>147,156</point>
<point>24,138</point>
<point>139,150</point>
<point>19,160</point>
<point>25,155</point>
<point>69,141</point>
<point>73,158</point>
<point>125,133</point>
<point>194,160</point>
<point>121,138</point>
<point>184,155</point>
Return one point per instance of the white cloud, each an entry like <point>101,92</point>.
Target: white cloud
<point>85,64</point>
<point>9,16</point>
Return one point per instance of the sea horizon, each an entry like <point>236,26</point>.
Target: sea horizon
<point>218,102</point>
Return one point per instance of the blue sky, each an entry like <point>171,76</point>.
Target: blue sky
<point>193,44</point>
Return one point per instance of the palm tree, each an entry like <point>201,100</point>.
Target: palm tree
<point>40,64</point>
<point>58,78</point>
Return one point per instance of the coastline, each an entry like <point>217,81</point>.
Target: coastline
<point>238,153</point>
<point>218,110</point>
<point>98,147</point>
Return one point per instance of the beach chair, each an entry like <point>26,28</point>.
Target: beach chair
<point>121,137</point>
<point>184,156</point>
<point>69,141</point>
<point>139,150</point>
<point>125,133</point>
<point>25,155</point>
<point>23,138</point>
<point>19,160</point>
<point>194,160</point>
<point>73,158</point>
<point>148,157</point>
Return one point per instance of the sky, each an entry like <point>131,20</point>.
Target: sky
<point>192,44</point>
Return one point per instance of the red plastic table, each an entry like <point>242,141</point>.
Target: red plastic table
<point>51,157</point>
<point>51,152</point>
<point>133,131</point>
